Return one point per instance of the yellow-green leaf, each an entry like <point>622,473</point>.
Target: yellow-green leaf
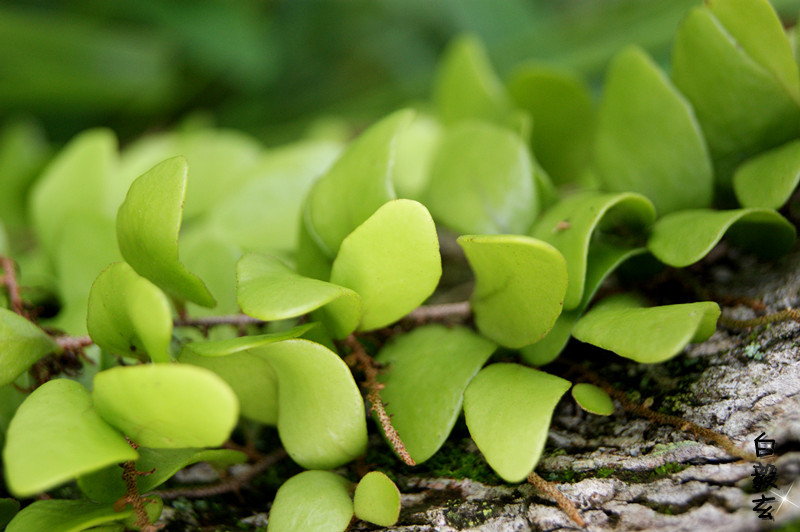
<point>312,501</point>
<point>377,499</point>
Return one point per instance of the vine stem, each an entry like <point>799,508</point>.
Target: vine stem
<point>444,312</point>
<point>210,321</point>
<point>73,343</point>
<point>548,488</point>
<point>783,315</point>
<point>132,495</point>
<point>9,280</point>
<point>359,357</point>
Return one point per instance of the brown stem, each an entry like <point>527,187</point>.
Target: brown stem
<point>548,488</point>
<point>444,312</point>
<point>233,483</point>
<point>73,343</point>
<point>210,321</point>
<point>359,357</point>
<point>783,315</point>
<point>9,280</point>
<point>132,495</point>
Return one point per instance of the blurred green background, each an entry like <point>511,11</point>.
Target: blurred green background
<point>271,67</point>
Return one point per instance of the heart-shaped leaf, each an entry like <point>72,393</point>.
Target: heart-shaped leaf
<point>320,410</point>
<point>313,501</point>
<point>570,224</point>
<point>683,238</point>
<point>646,335</point>
<point>520,273</point>
<point>21,344</point>
<point>60,515</point>
<point>129,315</point>
<point>768,180</point>
<point>332,209</point>
<point>167,405</point>
<point>269,290</point>
<point>593,399</point>
<point>648,139</point>
<point>508,409</point>
<point>377,499</point>
<point>392,261</point>
<point>426,373</point>
<point>482,180</point>
<point>56,435</point>
<point>107,484</point>
<point>563,114</point>
<point>148,222</point>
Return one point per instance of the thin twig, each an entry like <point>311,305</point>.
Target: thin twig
<point>132,495</point>
<point>370,368</point>
<point>783,315</point>
<point>548,488</point>
<point>444,312</point>
<point>210,321</point>
<point>73,343</point>
<point>9,280</point>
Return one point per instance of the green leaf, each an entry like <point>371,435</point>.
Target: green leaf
<point>482,181</point>
<point>65,516</point>
<point>167,405</point>
<point>56,435</point>
<point>648,139</point>
<point>683,238</point>
<point>320,410</point>
<point>377,499</point>
<point>508,409</point>
<point>21,344</point>
<point>570,224</point>
<point>23,151</point>
<point>426,373</point>
<point>310,259</point>
<point>416,147</point>
<point>212,258</point>
<point>466,86</point>
<point>391,261</point>
<point>8,509</point>
<point>768,180</point>
<point>333,211</point>
<point>563,115</point>
<point>593,399</point>
<point>148,222</point>
<point>313,501</point>
<point>724,46</point>
<point>269,290</point>
<point>230,346</point>
<point>519,273</point>
<point>646,335</point>
<point>73,184</point>
<point>107,485</point>
<point>129,315</point>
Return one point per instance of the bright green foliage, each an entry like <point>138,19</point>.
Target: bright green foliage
<point>683,238</point>
<point>516,272</point>
<point>313,501</point>
<point>416,146</point>
<point>320,410</point>
<point>167,405</point>
<point>23,151</point>
<point>508,409</point>
<point>21,345</point>
<point>570,224</point>
<point>267,289</point>
<point>377,499</point>
<point>648,140</point>
<point>213,259</point>
<point>106,485</point>
<point>392,261</point>
<point>129,315</point>
<point>65,516</point>
<point>593,399</point>
<point>222,348</point>
<point>768,180</point>
<point>427,372</point>
<point>333,209</point>
<point>621,324</point>
<point>482,180</point>
<point>55,436</point>
<point>563,115</point>
<point>148,222</point>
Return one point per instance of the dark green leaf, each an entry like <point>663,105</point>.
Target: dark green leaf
<point>65,516</point>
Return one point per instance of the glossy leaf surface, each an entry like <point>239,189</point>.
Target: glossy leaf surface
<point>426,373</point>
<point>593,399</point>
<point>377,499</point>
<point>64,515</point>
<point>646,335</point>
<point>167,405</point>
<point>519,273</point>
<point>648,139</point>
<point>148,222</point>
<point>768,180</point>
<point>128,315</point>
<point>269,290</point>
<point>685,237</point>
<point>482,181</point>
<point>508,409</point>
<point>313,501</point>
<point>570,224</point>
<point>21,344</point>
<point>55,436</point>
<point>392,261</point>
